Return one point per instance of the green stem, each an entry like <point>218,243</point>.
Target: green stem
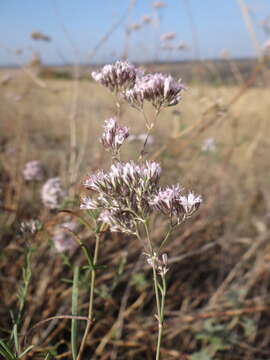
<point>150,127</point>
<point>165,239</point>
<point>157,294</point>
<point>91,298</point>
<point>160,324</point>
<point>148,237</point>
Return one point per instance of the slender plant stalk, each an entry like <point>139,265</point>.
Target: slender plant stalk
<point>150,128</point>
<point>160,304</point>
<point>160,325</point>
<point>91,298</point>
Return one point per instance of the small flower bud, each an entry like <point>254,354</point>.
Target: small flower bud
<point>114,135</point>
<point>190,203</point>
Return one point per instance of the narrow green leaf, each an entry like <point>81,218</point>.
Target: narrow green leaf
<point>74,322</point>
<point>16,340</point>
<point>26,351</point>
<point>7,351</point>
<point>5,354</point>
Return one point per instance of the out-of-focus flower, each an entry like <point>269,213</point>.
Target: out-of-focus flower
<point>114,135</point>
<point>52,193</point>
<point>160,90</point>
<point>5,79</point>
<point>168,36</point>
<point>134,27</point>
<point>14,97</point>
<point>160,263</point>
<point>117,77</point>
<point>30,227</point>
<point>209,145</point>
<point>146,19</point>
<point>266,47</point>
<point>159,4</point>
<point>182,46</point>
<point>37,35</point>
<point>33,171</point>
<point>63,240</point>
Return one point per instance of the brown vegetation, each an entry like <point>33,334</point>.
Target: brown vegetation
<point>218,294</point>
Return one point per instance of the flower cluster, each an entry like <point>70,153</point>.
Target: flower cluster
<point>160,263</point>
<point>123,194</point>
<point>33,171</point>
<point>170,201</point>
<point>114,135</point>
<point>52,193</point>
<point>129,192</point>
<point>117,77</point>
<point>30,227</point>
<point>160,90</point>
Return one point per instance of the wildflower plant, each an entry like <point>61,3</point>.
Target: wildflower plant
<point>128,194</point>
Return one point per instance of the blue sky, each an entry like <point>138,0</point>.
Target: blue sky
<point>76,27</point>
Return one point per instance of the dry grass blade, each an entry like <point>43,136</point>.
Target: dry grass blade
<point>74,323</point>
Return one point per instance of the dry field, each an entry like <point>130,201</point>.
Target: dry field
<point>219,279</point>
